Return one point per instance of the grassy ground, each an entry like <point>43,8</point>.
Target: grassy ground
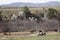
<point>44,37</point>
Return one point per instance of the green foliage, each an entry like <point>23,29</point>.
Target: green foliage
<point>51,13</point>
<point>1,15</point>
<point>26,11</point>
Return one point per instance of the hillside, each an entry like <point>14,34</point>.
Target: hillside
<point>22,4</point>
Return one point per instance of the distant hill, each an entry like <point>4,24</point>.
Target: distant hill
<point>22,4</point>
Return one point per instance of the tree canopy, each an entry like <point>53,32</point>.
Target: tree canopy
<point>26,12</point>
<point>51,13</point>
<point>1,16</point>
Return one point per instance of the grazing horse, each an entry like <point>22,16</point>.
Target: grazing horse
<point>41,33</point>
<point>32,31</point>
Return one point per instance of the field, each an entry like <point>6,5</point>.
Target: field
<point>28,36</point>
<point>24,37</point>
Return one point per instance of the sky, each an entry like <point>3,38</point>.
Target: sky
<point>33,1</point>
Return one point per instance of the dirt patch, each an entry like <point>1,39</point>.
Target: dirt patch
<point>21,34</point>
<point>52,33</point>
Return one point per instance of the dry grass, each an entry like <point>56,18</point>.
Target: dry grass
<point>46,37</point>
